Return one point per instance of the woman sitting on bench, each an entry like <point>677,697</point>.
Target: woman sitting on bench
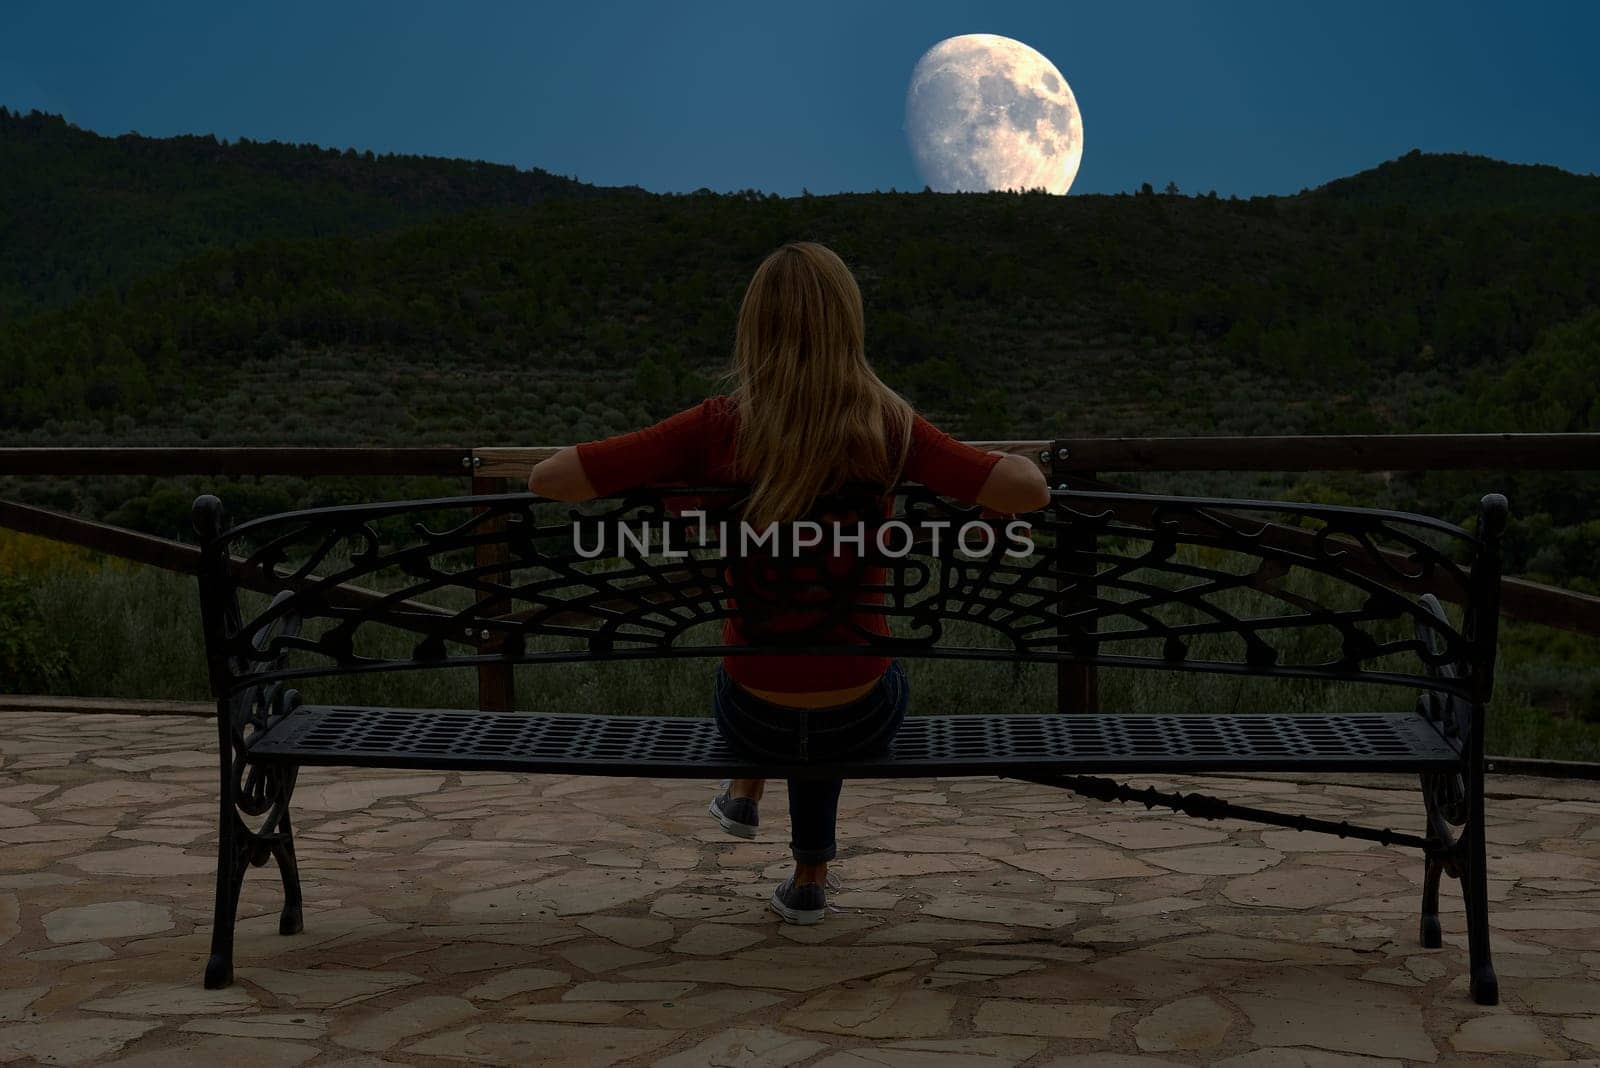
<point>806,416</point>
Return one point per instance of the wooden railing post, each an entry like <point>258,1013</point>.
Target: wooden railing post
<point>497,684</point>
<point>1077,685</point>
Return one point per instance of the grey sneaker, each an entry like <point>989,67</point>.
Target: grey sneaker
<point>803,904</point>
<point>737,815</point>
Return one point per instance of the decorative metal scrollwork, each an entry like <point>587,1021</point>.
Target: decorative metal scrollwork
<point>260,792</point>
<point>1444,793</point>
<point>1120,579</point>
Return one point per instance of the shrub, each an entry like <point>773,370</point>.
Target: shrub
<point>28,661</point>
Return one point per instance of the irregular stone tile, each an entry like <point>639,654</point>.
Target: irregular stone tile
<point>1560,996</point>
<point>1109,1060</point>
<point>706,1010</point>
<point>388,1029</point>
<point>462,958</point>
<point>598,957</point>
<point>1300,886</point>
<point>797,968</point>
<point>969,969</point>
<point>1081,864</point>
<point>1317,1008</point>
<point>1047,1019</point>
<point>1584,1029</point>
<point>1390,977</point>
<point>898,865</point>
<point>55,832</point>
<point>1546,919</point>
<point>80,1040</point>
<point>1189,1023</point>
<point>108,919</point>
<point>326,987</point>
<point>871,900</point>
<point>599,1012</point>
<point>1139,929</point>
<point>1284,1057</point>
<point>628,930</point>
<point>232,1052</point>
<point>119,793</point>
<point>716,939</point>
<point>1083,895</point>
<point>892,1057</point>
<point>570,893</point>
<point>1221,946</point>
<point>76,951</point>
<point>1014,912</point>
<point>935,843</point>
<point>35,855</point>
<point>833,929</point>
<point>1313,842</point>
<point>592,1045</point>
<point>747,1047</point>
<point>870,1013</point>
<point>612,858</point>
<point>399,836</point>
<point>262,1025</point>
<point>164,835</point>
<point>149,860</point>
<point>158,999</point>
<point>597,990</point>
<point>1540,864</point>
<point>710,906</point>
<point>350,795</point>
<point>1156,906</point>
<point>516,981</point>
<point>1504,1033</point>
<point>1150,833</point>
<point>10,917</point>
<point>515,933</point>
<point>992,1049</point>
<point>1215,860</point>
<point>919,932</point>
<point>14,1003</point>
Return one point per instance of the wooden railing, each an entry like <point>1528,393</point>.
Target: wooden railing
<point>1068,461</point>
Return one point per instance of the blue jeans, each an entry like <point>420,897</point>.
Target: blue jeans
<point>764,731</point>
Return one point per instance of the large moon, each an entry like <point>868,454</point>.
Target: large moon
<point>987,112</point>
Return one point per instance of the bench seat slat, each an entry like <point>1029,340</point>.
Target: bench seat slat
<point>686,747</point>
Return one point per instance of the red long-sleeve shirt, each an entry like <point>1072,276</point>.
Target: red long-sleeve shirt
<point>697,445</point>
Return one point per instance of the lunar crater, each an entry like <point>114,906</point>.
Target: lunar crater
<point>987,112</point>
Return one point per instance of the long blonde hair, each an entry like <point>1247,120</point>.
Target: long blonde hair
<point>812,414</point>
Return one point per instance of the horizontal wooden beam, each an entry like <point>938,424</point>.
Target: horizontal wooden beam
<point>1354,452</point>
<point>177,556</point>
<point>128,544</point>
<point>245,460</point>
<point>515,462</point>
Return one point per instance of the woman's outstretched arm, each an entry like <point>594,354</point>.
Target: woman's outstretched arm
<point>561,477</point>
<point>1015,484</point>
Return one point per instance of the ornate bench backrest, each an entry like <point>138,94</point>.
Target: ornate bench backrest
<point>1126,580</point>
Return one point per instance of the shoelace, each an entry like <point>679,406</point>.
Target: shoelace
<point>834,887</point>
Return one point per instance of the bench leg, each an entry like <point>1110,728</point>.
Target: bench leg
<point>1432,936</point>
<point>233,858</point>
<point>1475,889</point>
<point>291,920</point>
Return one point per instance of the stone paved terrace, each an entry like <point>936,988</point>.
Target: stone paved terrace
<point>530,919</point>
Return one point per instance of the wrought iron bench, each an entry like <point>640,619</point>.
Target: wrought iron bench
<point>1342,597</point>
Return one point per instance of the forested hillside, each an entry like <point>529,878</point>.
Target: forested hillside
<point>80,212</point>
<point>342,298</point>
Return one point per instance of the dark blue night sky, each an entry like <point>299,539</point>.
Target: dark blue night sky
<point>1243,98</point>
